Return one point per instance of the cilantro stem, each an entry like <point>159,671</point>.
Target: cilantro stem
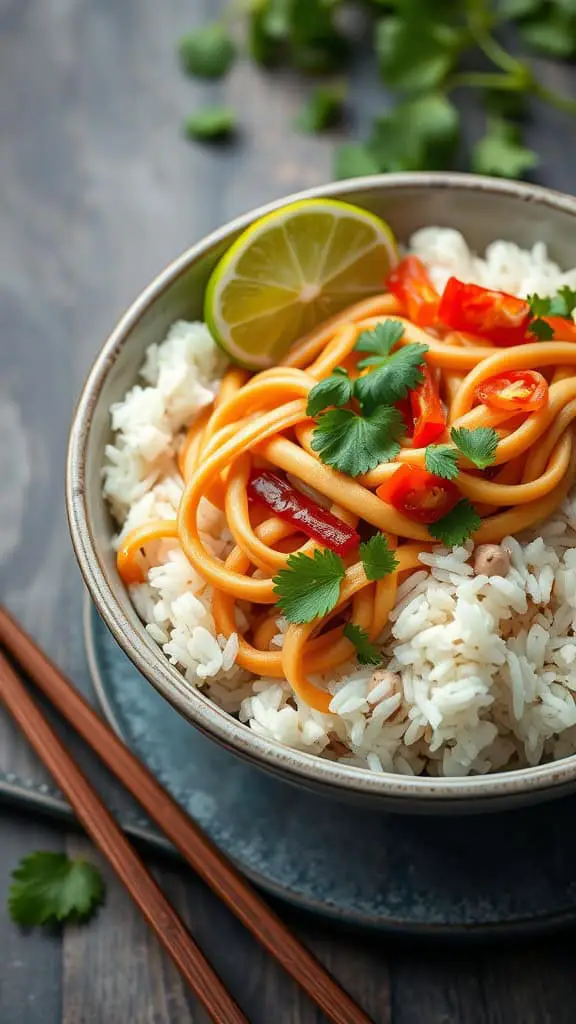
<point>479,28</point>
<point>485,80</point>
<point>564,103</point>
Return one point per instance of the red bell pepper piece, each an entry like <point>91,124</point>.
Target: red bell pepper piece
<point>410,283</point>
<point>427,411</point>
<point>496,316</point>
<point>418,494</point>
<point>289,504</point>
<point>521,390</point>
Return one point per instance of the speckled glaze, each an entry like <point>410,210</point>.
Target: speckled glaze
<point>483,209</point>
<point>499,875</point>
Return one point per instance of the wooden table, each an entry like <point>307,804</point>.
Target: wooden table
<point>97,192</point>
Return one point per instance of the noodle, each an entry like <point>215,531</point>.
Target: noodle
<point>261,420</point>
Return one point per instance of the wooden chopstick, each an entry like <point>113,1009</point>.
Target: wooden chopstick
<point>196,848</point>
<point>108,836</point>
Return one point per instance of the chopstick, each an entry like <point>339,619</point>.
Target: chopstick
<point>196,848</point>
<point>108,836</point>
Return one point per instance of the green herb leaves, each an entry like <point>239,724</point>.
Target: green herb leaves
<point>323,109</point>
<point>500,151</point>
<point>207,52</point>
<point>48,887</point>
<point>377,558</point>
<point>210,123</point>
<point>393,375</point>
<point>366,652</point>
<point>310,586</point>
<point>354,444</point>
<point>336,389</point>
<point>442,460</point>
<point>457,526</point>
<point>479,445</point>
<point>562,304</point>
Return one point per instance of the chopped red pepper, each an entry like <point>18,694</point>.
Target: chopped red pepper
<point>410,283</point>
<point>427,411</point>
<point>564,329</point>
<point>404,408</point>
<point>522,390</point>
<point>316,522</point>
<point>420,495</point>
<point>496,316</point>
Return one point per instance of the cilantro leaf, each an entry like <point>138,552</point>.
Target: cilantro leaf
<point>542,330</point>
<point>381,339</point>
<point>322,110</point>
<point>50,887</point>
<point>552,32</point>
<point>377,557</point>
<point>333,390</point>
<point>442,460</point>
<point>366,652</point>
<point>207,52</point>
<point>354,160</point>
<point>457,525</point>
<point>479,445</point>
<point>355,444</point>
<point>310,586</point>
<point>415,53</point>
<point>500,151</point>
<point>419,134</point>
<point>210,123</point>
<point>561,304</point>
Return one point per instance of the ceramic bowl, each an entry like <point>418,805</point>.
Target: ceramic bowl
<point>483,209</point>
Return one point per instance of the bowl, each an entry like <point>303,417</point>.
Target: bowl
<point>483,209</point>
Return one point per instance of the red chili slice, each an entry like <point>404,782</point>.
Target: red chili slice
<point>316,522</point>
<point>496,316</point>
<point>419,494</point>
<point>410,283</point>
<point>427,411</point>
<point>564,329</point>
<point>521,390</point>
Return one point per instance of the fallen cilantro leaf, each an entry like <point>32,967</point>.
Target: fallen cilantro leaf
<point>207,52</point>
<point>442,460</point>
<point>354,160</point>
<point>355,444</point>
<point>366,652</point>
<point>50,887</point>
<point>334,390</point>
<point>542,330</point>
<point>457,526</point>
<point>323,109</point>
<point>210,123</point>
<point>479,445</point>
<point>377,557</point>
<point>310,586</point>
<point>500,152</point>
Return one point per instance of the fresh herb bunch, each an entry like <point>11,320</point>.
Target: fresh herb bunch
<point>424,51</point>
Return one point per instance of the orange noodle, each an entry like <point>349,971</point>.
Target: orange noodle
<point>260,422</point>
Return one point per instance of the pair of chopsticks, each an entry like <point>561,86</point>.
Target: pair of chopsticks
<point>206,860</point>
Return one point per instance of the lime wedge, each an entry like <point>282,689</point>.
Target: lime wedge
<point>291,270</point>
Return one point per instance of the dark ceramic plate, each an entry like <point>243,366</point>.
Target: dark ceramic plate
<point>508,872</point>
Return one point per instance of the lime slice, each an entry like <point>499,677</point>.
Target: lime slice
<point>291,270</point>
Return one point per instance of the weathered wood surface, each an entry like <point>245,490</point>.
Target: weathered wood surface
<point>97,192</point>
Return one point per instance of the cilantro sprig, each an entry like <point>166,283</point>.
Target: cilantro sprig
<point>353,443</point>
<point>457,525</point>
<point>310,585</point>
<point>442,460</point>
<point>49,887</point>
<point>366,652</point>
<point>393,374</point>
<point>377,557</point>
<point>479,445</point>
<point>425,52</point>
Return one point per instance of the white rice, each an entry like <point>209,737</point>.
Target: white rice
<point>488,665</point>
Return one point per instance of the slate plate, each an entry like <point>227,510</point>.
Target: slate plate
<point>509,873</point>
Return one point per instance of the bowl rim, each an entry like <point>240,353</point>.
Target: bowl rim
<point>221,726</point>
